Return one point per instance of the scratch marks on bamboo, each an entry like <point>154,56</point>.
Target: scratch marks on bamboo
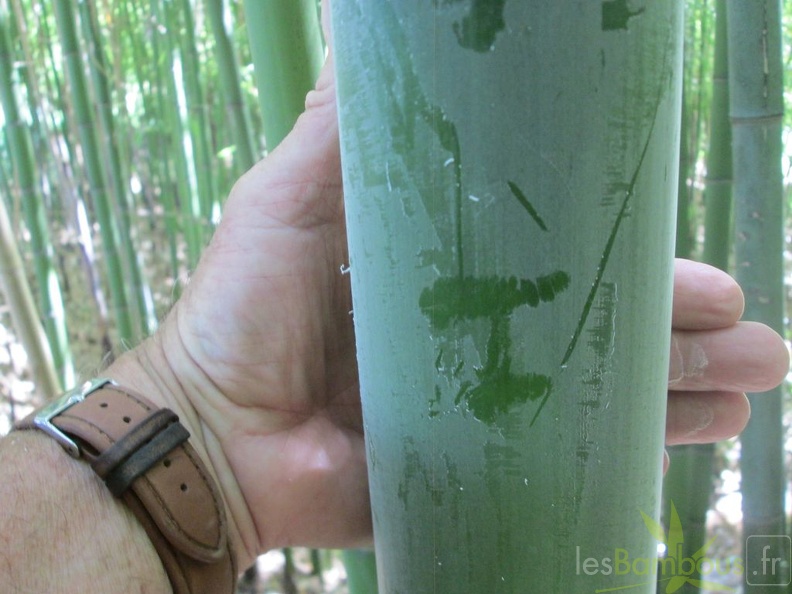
<point>523,200</point>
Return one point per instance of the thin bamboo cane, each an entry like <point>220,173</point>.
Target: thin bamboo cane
<point>59,146</point>
<point>186,198</point>
<point>64,16</point>
<point>50,300</point>
<point>173,181</point>
<point>361,569</point>
<point>138,291</point>
<point>196,116</point>
<point>718,194</point>
<point>689,482</point>
<point>756,108</point>
<point>229,86</point>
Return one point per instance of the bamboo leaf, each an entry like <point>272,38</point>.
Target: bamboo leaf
<point>675,583</point>
<point>676,536</point>
<point>654,528</point>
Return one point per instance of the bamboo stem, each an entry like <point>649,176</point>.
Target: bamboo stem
<point>286,45</point>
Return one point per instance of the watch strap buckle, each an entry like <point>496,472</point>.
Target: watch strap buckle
<point>43,418</point>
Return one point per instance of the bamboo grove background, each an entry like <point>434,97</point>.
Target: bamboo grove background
<point>125,124</point>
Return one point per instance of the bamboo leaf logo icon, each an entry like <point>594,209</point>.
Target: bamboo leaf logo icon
<point>654,528</point>
<point>674,540</point>
<point>676,537</point>
<point>681,569</point>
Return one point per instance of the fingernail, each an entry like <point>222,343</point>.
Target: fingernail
<point>690,364</point>
<point>696,416</point>
<point>676,367</point>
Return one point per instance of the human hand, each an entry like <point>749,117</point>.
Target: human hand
<point>715,358</point>
<point>258,356</point>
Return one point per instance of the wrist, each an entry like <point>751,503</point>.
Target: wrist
<point>62,526</point>
<point>160,370</point>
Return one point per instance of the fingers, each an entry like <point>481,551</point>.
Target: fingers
<point>704,417</point>
<point>746,357</point>
<point>704,297</point>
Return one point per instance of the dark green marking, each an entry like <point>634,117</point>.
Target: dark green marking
<point>479,28</point>
<point>451,300</point>
<point>499,389</point>
<point>603,263</point>
<point>523,200</point>
<point>496,394</point>
<point>616,14</point>
<point>495,388</point>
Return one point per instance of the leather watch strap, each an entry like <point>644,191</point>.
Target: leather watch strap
<point>142,454</point>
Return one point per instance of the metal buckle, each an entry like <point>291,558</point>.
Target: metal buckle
<point>43,419</point>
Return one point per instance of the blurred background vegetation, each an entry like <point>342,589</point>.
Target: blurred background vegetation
<point>124,127</point>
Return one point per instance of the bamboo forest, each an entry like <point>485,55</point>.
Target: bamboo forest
<point>518,176</point>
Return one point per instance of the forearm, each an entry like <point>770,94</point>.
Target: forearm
<point>62,531</point>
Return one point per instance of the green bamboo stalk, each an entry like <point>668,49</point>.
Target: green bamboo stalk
<point>229,86</point>
<point>141,52</point>
<point>756,106</point>
<point>286,46</point>
<point>21,149</point>
<point>718,193</point>
<point>176,117</point>
<point>287,578</point>
<point>361,569</point>
<point>196,116</point>
<point>64,16</point>
<point>689,482</point>
<point>704,13</point>
<point>172,164</point>
<point>685,241</point>
<point>684,229</point>
<point>513,399</point>
<point>138,292</point>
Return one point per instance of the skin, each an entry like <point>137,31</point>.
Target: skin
<point>258,360</point>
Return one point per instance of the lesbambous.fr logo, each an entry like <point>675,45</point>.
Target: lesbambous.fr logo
<point>676,568</point>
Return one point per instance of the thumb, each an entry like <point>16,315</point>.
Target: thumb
<point>326,26</point>
<point>305,166</point>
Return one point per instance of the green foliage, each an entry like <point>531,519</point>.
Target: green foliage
<point>127,136</point>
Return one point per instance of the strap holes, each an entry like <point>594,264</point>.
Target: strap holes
<point>127,419</point>
<point>183,487</point>
<point>103,405</point>
<point>166,463</point>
